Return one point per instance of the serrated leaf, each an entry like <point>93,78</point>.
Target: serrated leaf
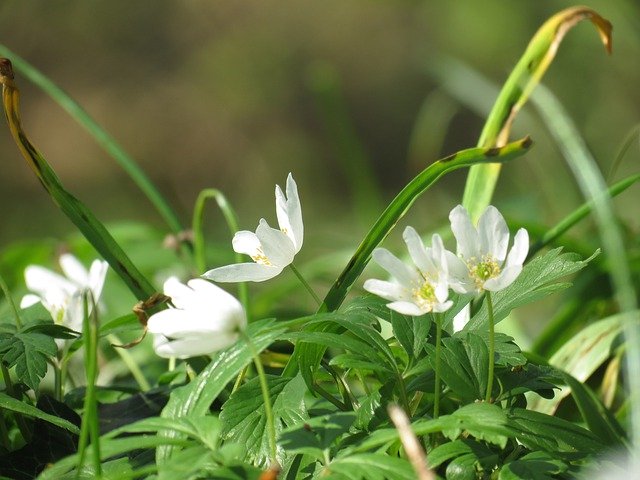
<point>463,468</point>
<point>243,416</point>
<point>28,353</point>
<point>529,378</point>
<point>464,365</point>
<point>537,280</point>
<point>534,466</point>
<point>317,434</point>
<point>457,448</point>
<point>554,435</point>
<point>369,466</point>
<point>411,332</point>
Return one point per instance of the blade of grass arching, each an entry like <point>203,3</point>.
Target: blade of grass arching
<point>78,213</point>
<point>578,214</point>
<point>106,141</point>
<point>90,427</point>
<point>308,355</point>
<point>591,182</point>
<point>523,79</point>
<point>324,82</point>
<point>632,137</point>
<point>198,236</point>
<point>399,206</point>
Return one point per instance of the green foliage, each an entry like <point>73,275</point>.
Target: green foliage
<point>243,415</point>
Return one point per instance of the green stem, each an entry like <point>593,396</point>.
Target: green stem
<point>305,284</point>
<point>57,380</point>
<point>90,428</point>
<point>492,354</point>
<point>436,391</point>
<point>271,427</point>
<point>14,309</point>
<point>198,235</point>
<point>131,364</point>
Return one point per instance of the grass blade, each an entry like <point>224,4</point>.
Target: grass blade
<point>523,79</point>
<point>78,213</point>
<point>106,141</point>
<point>591,182</point>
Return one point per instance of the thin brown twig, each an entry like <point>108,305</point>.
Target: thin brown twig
<point>410,442</point>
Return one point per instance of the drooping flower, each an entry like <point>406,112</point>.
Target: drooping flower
<point>483,251</point>
<point>62,295</point>
<point>417,289</point>
<point>205,319</point>
<point>270,249</point>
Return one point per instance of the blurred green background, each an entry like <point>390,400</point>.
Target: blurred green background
<point>350,96</point>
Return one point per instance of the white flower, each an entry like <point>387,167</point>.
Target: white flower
<point>420,289</point>
<point>484,251</point>
<point>270,249</point>
<point>205,319</point>
<point>62,295</point>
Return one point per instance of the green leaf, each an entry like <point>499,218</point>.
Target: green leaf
<point>244,419</point>
<point>464,365</point>
<point>537,280</point>
<point>195,398</point>
<point>534,466</point>
<point>528,378</point>
<point>28,352</point>
<point>369,466</point>
<point>317,434</point>
<point>583,354</point>
<point>538,431</point>
<point>457,448</point>
<point>597,417</point>
<point>411,332</point>
<point>17,406</point>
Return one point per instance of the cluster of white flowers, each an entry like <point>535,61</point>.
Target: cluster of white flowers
<point>481,264</point>
<point>204,318</point>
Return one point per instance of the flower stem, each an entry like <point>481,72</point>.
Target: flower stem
<point>131,364</point>
<point>436,392</point>
<point>305,284</point>
<point>271,427</point>
<point>492,353</point>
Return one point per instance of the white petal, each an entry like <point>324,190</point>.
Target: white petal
<point>29,300</point>
<point>386,290</point>
<point>458,278</point>
<point>493,233</point>
<point>407,308</point>
<point>246,242</point>
<point>394,266</point>
<point>416,249</point>
<point>462,318</point>
<point>191,347</point>
<point>181,295</point>
<point>520,248</point>
<point>40,280</point>
<point>439,256</point>
<point>277,247</point>
<point>243,272</point>
<point>74,270</point>
<point>97,275</point>
<point>442,307</point>
<point>441,290</point>
<point>176,323</point>
<point>289,213</point>
<point>506,278</point>
<point>223,303</point>
<point>465,233</point>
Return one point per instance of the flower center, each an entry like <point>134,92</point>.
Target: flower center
<point>482,271</point>
<point>261,258</point>
<point>424,295</point>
